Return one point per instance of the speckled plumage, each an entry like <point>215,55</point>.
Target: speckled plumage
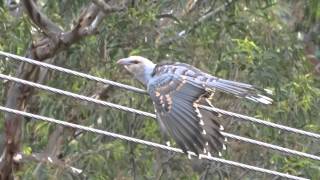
<point>177,90</point>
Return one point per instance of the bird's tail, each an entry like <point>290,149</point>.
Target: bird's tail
<point>241,90</point>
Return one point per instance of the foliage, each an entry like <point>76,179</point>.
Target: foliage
<point>250,41</point>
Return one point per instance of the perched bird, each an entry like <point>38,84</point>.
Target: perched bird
<point>177,90</point>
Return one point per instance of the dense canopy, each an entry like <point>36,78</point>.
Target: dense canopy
<point>269,43</point>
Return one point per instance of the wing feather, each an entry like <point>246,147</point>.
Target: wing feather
<point>194,75</point>
<point>174,99</point>
<point>189,139</point>
<point>190,126</point>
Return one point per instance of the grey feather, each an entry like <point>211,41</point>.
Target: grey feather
<point>176,90</point>
<point>181,119</point>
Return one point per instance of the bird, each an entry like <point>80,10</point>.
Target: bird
<point>177,90</point>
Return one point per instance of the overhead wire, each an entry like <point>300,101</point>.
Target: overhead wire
<point>147,114</point>
<point>148,143</point>
<point>263,122</point>
<point>72,72</point>
<point>138,90</point>
<point>131,88</point>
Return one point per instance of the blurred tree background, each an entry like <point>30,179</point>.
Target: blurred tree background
<point>269,43</point>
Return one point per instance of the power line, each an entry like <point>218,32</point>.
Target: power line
<point>124,108</point>
<point>152,115</point>
<point>134,89</point>
<point>262,122</point>
<point>148,143</point>
<point>75,73</point>
<point>271,146</point>
<point>76,96</point>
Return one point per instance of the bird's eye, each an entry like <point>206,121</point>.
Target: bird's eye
<point>135,62</point>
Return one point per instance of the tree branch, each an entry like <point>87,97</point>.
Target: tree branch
<point>203,18</point>
<point>52,42</point>
<point>106,8</point>
<point>44,158</point>
<point>40,19</point>
<point>169,16</point>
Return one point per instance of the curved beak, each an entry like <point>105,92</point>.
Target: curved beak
<point>124,61</point>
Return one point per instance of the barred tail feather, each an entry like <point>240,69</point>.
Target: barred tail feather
<point>242,90</point>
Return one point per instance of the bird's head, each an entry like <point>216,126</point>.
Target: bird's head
<point>138,66</point>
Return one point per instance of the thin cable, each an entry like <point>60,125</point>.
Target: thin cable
<point>124,108</point>
<point>76,96</point>
<point>75,73</point>
<point>259,121</point>
<point>271,146</point>
<point>148,143</point>
<point>134,89</point>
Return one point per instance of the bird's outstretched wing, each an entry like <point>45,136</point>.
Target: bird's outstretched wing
<point>176,103</point>
<point>239,89</point>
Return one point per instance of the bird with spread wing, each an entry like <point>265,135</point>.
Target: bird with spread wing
<point>177,90</point>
